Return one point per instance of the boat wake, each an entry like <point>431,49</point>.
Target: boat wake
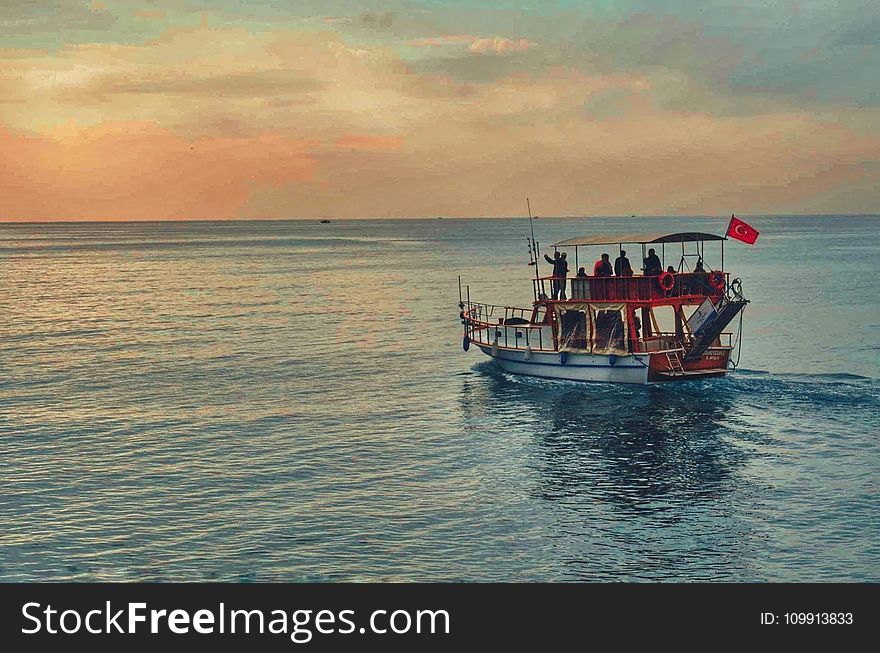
<point>788,395</point>
<point>803,377</point>
<point>487,367</point>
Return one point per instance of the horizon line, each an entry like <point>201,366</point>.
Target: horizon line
<point>443,217</point>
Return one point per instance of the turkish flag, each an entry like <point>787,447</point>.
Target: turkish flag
<point>742,231</point>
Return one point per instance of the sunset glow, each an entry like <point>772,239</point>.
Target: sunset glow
<point>186,109</point>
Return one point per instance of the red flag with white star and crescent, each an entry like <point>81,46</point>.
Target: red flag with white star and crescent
<point>742,231</point>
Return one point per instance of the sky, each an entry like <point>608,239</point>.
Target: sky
<point>251,109</point>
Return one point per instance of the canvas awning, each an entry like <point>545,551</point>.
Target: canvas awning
<point>639,239</point>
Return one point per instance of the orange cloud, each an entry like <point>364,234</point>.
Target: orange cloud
<point>475,44</point>
<point>137,171</point>
<point>214,123</point>
<point>440,41</point>
<point>657,163</point>
<point>369,143</point>
<point>501,45</point>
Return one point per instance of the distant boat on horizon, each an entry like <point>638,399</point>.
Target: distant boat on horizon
<point>325,222</point>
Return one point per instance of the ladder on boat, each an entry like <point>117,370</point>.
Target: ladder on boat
<point>673,360</point>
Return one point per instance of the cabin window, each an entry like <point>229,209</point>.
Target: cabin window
<point>573,330</point>
<point>608,333</point>
<point>609,329</point>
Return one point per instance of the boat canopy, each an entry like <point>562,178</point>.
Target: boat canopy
<point>638,239</point>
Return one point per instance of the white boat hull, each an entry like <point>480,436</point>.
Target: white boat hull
<point>577,367</point>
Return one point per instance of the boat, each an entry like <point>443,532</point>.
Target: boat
<point>638,329</point>
<point>325,222</point>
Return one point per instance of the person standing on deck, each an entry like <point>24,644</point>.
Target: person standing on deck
<point>653,266</point>
<point>699,282</point>
<point>555,263</point>
<point>602,268</point>
<point>552,261</point>
<point>560,269</point>
<point>562,274</point>
<point>622,268</point>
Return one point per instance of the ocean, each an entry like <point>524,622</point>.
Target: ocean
<point>289,401</point>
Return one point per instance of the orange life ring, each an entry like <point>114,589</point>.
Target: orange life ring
<point>716,279</point>
<point>666,281</point>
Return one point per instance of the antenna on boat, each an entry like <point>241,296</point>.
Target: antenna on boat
<point>533,248</point>
<point>534,242</point>
<point>531,224</point>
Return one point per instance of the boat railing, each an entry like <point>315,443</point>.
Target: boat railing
<point>493,313</point>
<point>633,288</point>
<point>509,326</point>
<point>669,341</point>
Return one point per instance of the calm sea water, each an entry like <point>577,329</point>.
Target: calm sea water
<point>290,401</point>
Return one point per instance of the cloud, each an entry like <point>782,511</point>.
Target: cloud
<point>139,171</point>
<point>148,14</point>
<point>657,163</point>
<point>442,41</point>
<point>39,14</point>
<point>369,143</point>
<point>224,73</point>
<point>257,83</point>
<point>49,23</point>
<point>474,44</point>
<point>383,19</point>
<point>808,51</point>
<point>235,122</point>
<point>500,45</point>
